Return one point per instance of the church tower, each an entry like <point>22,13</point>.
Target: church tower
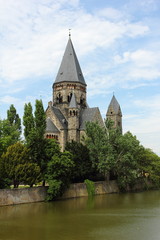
<point>68,112</point>
<point>114,113</point>
<point>69,81</point>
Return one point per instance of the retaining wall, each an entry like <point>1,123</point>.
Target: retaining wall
<point>38,194</point>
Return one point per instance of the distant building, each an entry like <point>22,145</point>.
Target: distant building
<point>68,112</point>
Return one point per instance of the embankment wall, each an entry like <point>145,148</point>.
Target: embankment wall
<point>38,194</point>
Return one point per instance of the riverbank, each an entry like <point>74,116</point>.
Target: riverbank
<point>38,194</point>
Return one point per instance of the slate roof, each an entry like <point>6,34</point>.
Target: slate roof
<point>87,115</point>
<point>50,127</point>
<point>60,116</point>
<point>115,106</point>
<point>70,70</point>
<point>73,103</point>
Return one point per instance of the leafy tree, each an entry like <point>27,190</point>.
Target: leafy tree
<point>28,173</point>
<point>99,148</point>
<point>14,118</point>
<point>83,165</point>
<point>40,118</point>
<point>149,166</point>
<point>14,163</point>
<point>28,120</point>
<point>8,135</point>
<point>59,173</point>
<point>34,134</point>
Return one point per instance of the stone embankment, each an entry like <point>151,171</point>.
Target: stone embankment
<point>38,194</point>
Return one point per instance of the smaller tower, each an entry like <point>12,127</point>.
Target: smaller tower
<point>114,113</point>
<point>73,120</point>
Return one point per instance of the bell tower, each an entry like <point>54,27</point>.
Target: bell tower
<point>114,113</point>
<point>69,80</point>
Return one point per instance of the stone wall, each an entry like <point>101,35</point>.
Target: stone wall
<point>38,194</point>
<point>25,195</point>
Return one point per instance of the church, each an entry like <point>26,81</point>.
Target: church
<point>68,112</point>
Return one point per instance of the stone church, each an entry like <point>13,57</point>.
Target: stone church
<point>68,112</point>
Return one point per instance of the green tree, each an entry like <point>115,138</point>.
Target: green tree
<point>34,134</point>
<point>59,173</point>
<point>28,173</point>
<point>83,165</point>
<point>40,118</point>
<point>8,135</point>
<point>28,120</point>
<point>100,150</point>
<point>15,159</point>
<point>14,118</point>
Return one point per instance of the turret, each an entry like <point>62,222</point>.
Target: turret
<point>114,113</point>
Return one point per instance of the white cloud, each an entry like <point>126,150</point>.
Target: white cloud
<point>145,125</point>
<point>32,35</point>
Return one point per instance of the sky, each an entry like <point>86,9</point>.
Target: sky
<point>117,43</point>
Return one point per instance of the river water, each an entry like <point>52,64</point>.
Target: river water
<point>129,216</point>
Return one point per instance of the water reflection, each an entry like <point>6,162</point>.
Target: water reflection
<point>117,216</point>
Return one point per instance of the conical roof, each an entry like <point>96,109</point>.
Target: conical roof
<point>114,105</point>
<point>70,70</point>
<point>73,103</point>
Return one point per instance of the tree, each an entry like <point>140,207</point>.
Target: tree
<point>28,173</point>
<point>40,118</point>
<point>59,173</point>
<point>28,120</point>
<point>83,165</point>
<point>34,134</point>
<point>8,135</point>
<point>100,150</point>
<point>16,164</point>
<point>14,118</point>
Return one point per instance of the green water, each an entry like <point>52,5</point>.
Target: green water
<point>131,216</point>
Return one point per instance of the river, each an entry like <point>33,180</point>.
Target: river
<point>129,216</point>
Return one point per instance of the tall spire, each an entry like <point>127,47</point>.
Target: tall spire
<point>70,70</point>
<point>114,105</point>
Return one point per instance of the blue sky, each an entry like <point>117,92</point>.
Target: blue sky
<point>117,44</point>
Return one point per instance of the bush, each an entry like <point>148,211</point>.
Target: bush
<point>90,187</point>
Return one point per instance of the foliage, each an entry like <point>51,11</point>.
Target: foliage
<point>34,134</point>
<point>8,135</point>
<point>55,189</point>
<point>59,171</point>
<point>28,120</point>
<point>14,118</point>
<point>17,166</point>
<point>99,148</point>
<point>90,187</point>
<point>83,164</point>
<point>40,118</point>
<point>28,173</point>
<point>119,155</point>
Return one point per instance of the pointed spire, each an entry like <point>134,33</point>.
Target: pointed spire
<point>70,70</point>
<point>73,103</point>
<point>115,106</point>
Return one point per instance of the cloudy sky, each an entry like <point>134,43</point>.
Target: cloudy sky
<point>117,44</point>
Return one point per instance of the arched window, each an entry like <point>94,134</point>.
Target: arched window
<point>59,98</point>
